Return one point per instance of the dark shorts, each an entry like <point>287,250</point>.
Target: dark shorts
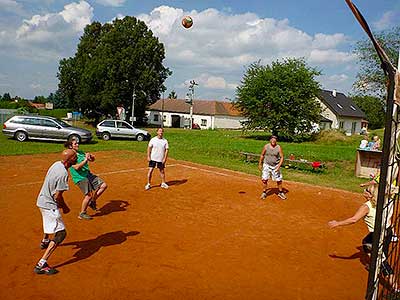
<point>91,183</point>
<point>386,269</point>
<point>153,164</point>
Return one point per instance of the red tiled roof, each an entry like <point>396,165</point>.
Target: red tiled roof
<point>200,107</point>
<point>37,105</point>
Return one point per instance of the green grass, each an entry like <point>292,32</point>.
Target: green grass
<point>221,148</point>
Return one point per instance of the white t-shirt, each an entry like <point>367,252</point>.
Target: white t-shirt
<point>159,146</point>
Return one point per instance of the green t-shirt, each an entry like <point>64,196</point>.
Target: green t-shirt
<point>79,175</point>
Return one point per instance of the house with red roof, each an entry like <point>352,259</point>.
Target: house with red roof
<point>207,114</point>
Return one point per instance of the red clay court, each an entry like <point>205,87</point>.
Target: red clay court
<point>207,237</point>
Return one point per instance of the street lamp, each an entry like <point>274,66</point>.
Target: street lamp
<point>133,106</point>
<point>189,99</point>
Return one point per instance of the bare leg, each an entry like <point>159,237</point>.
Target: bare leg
<point>50,249</point>
<point>85,202</point>
<point>149,174</point>
<point>280,186</point>
<point>99,191</point>
<point>162,173</point>
<point>265,186</point>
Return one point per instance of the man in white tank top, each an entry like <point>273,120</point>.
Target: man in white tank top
<point>270,164</point>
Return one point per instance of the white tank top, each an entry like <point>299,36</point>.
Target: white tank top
<point>369,219</point>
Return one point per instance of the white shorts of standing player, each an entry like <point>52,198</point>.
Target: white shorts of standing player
<point>52,220</point>
<point>269,172</point>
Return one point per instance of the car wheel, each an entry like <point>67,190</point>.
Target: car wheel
<point>74,137</point>
<point>105,136</point>
<point>21,136</point>
<point>140,137</point>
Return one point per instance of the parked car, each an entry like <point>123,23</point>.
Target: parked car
<point>108,129</point>
<point>43,128</point>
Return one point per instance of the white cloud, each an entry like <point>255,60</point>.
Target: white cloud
<point>111,2</point>
<point>388,20</point>
<point>237,40</point>
<point>212,82</point>
<point>340,82</point>
<point>220,45</point>
<point>35,86</point>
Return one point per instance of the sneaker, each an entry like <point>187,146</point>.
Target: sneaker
<point>147,187</point>
<point>263,195</point>
<point>164,185</point>
<point>93,205</point>
<point>84,216</point>
<point>45,269</point>
<point>282,195</point>
<point>44,244</point>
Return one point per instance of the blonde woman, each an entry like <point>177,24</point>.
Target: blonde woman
<point>367,211</point>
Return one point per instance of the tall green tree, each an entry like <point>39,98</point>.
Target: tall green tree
<point>280,97</point>
<point>6,97</point>
<point>373,107</point>
<point>113,62</point>
<point>58,100</point>
<point>371,78</point>
<point>172,95</point>
<point>40,99</point>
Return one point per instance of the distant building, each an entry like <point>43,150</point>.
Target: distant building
<point>340,112</point>
<point>206,114</point>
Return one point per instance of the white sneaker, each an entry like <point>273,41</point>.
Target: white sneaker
<point>164,185</point>
<point>147,187</point>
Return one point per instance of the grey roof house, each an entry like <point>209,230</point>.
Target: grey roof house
<point>340,112</point>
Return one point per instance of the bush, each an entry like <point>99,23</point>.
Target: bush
<point>331,136</point>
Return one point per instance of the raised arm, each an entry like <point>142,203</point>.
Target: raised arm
<point>80,165</point>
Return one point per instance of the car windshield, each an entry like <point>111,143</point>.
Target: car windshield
<point>62,123</point>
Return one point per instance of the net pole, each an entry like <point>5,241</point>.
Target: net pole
<point>380,221</point>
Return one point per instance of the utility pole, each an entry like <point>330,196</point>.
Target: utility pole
<point>189,99</point>
<point>133,107</point>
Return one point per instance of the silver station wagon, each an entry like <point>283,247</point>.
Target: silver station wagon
<point>108,129</point>
<point>43,128</point>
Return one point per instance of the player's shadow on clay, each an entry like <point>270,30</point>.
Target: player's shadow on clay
<point>275,191</point>
<point>111,207</point>
<point>87,248</point>
<point>361,255</point>
<point>177,182</point>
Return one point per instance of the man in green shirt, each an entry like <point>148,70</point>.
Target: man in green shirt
<point>91,185</point>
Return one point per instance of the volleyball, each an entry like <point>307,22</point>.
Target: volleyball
<point>187,22</point>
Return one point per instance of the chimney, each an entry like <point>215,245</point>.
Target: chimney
<point>334,93</point>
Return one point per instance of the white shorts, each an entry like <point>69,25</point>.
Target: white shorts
<point>52,220</point>
<point>270,172</point>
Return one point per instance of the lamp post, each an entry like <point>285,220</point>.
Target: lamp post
<point>133,107</point>
<point>189,99</point>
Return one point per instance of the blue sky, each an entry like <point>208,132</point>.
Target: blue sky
<point>226,37</point>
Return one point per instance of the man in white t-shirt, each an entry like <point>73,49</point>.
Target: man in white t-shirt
<point>157,154</point>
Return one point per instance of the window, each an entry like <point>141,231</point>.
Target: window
<point>108,124</point>
<point>341,107</point>
<point>32,121</point>
<point>164,118</point>
<point>123,125</point>
<point>203,122</point>
<point>353,127</point>
<point>341,125</point>
<point>322,126</point>
<point>48,123</point>
<point>352,107</point>
<point>155,118</point>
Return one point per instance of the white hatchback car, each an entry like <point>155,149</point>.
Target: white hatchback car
<point>108,129</point>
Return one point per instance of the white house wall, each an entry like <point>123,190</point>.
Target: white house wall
<point>204,121</point>
<point>228,122</point>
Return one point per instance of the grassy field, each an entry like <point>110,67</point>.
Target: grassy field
<point>221,148</point>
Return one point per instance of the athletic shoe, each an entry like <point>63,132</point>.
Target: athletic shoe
<point>147,187</point>
<point>93,205</point>
<point>44,244</point>
<point>84,216</point>
<point>164,185</point>
<point>263,195</point>
<point>395,238</point>
<point>45,269</point>
<point>282,195</point>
